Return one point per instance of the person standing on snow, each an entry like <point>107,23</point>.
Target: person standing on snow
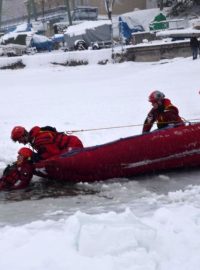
<point>194,44</point>
<point>46,141</point>
<point>163,112</point>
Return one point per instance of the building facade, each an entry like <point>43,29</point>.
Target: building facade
<point>17,11</point>
<point>120,6</point>
<point>16,8</point>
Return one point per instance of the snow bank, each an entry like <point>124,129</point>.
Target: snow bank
<point>168,240</point>
<point>47,59</point>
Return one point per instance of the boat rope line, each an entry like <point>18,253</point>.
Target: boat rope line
<point>124,126</point>
<point>102,128</point>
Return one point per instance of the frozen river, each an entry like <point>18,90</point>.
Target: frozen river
<point>46,200</point>
<point>146,223</point>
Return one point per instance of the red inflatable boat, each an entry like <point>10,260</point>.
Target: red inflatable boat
<point>159,150</point>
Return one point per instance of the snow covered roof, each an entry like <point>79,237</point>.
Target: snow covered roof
<point>188,32</point>
<point>14,35</point>
<point>141,17</point>
<point>81,28</point>
<point>40,38</point>
<point>21,27</point>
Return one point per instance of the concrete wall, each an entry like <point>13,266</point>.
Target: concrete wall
<point>158,52</point>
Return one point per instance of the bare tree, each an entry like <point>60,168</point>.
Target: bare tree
<point>109,6</point>
<point>68,11</point>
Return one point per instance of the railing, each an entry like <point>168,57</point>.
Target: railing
<point>178,24</point>
<point>169,24</point>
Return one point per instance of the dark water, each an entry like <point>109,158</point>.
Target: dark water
<point>45,189</point>
<point>52,200</point>
<point>158,183</point>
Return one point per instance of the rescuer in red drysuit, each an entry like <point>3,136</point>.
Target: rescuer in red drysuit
<point>19,174</point>
<point>163,112</point>
<point>46,141</point>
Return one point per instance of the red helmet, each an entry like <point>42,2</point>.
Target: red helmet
<point>156,96</point>
<point>17,133</point>
<point>25,152</point>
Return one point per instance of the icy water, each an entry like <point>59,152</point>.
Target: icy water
<point>46,200</point>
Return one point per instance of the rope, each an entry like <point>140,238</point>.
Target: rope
<point>126,126</point>
<point>102,128</point>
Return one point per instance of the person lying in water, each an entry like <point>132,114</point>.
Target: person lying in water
<point>19,174</point>
<point>163,112</point>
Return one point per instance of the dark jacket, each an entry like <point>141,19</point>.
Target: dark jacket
<point>194,43</point>
<point>17,176</point>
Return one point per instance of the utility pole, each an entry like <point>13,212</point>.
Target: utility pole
<point>43,8</point>
<point>161,4</point>
<point>29,10</point>
<point>1,3</point>
<point>30,5</point>
<point>68,11</point>
<point>109,6</point>
<point>34,9</point>
<point>73,4</point>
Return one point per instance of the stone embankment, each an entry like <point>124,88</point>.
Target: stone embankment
<point>157,52</point>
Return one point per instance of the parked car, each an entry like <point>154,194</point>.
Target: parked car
<point>78,15</point>
<point>85,13</point>
<point>94,34</point>
<point>41,43</point>
<point>28,40</point>
<point>12,50</point>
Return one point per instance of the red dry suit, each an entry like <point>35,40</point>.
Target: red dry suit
<point>48,143</point>
<point>17,176</point>
<point>165,115</point>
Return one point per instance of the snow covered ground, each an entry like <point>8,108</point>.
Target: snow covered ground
<point>150,223</point>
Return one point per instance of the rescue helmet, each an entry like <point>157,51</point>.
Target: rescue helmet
<point>17,133</point>
<point>25,152</point>
<point>156,96</point>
